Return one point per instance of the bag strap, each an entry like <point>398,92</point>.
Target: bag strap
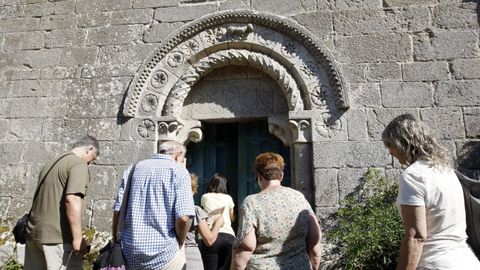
<point>43,180</point>
<point>121,215</point>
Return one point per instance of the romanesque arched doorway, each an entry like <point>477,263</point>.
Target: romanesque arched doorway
<point>167,100</point>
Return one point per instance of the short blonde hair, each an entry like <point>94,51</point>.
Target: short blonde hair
<point>194,182</point>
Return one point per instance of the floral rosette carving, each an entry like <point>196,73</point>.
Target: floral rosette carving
<point>175,59</point>
<point>265,37</point>
<point>149,103</point>
<point>214,36</point>
<point>309,69</point>
<point>159,79</point>
<point>319,95</point>
<point>327,125</point>
<point>290,48</point>
<point>190,47</point>
<point>146,128</point>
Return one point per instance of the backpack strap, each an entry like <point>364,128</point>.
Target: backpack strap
<point>123,208</point>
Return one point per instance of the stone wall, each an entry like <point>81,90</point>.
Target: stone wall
<point>66,65</point>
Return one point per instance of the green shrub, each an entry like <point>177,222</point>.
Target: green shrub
<point>367,228</point>
<point>13,265</point>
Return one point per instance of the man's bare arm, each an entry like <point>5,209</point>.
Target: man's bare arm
<point>73,206</point>
<point>182,225</point>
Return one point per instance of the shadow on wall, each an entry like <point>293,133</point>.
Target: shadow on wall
<point>469,156</point>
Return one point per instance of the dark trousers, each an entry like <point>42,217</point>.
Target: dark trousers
<point>219,255</point>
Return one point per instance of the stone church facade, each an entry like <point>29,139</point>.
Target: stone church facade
<point>325,76</point>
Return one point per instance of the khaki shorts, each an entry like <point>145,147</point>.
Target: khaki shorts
<point>178,262</point>
<point>51,257</point>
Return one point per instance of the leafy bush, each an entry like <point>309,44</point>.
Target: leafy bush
<point>367,228</point>
<point>13,265</point>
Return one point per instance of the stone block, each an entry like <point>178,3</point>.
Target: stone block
<point>446,123</point>
<point>133,16</point>
<point>11,154</point>
<point>349,179</point>
<point>354,73</point>
<point>40,152</point>
<point>20,107</point>
<point>24,129</point>
<point>339,154</point>
<point>466,68</point>
<point>326,187</point>
<point>104,129</point>
<point>384,72</point>
<point>114,35</point>
<point>66,38</point>
<point>84,6</point>
<point>66,129</point>
<point>110,86</point>
<point>458,93</point>
<point>399,94</point>
<point>4,124</point>
<point>14,176</point>
<point>357,125</point>
<point>64,7</point>
<point>102,182</point>
<point>19,25</point>
<point>63,21</point>
<point>61,73</point>
<point>365,95</point>
<point>38,10</point>
<point>131,56</point>
<point>79,56</point>
<point>287,7</point>
<point>126,152</point>
<point>320,24</point>
<point>21,74</point>
<point>29,88</point>
<point>347,22</point>
<point>402,3</point>
<point>154,3</point>
<point>357,4</point>
<point>24,41</point>
<point>472,121</point>
<point>5,203</point>
<point>184,13</point>
<point>159,31</point>
<point>425,71</point>
<point>10,12</point>
<point>234,4</point>
<point>102,215</point>
<point>93,19</point>
<point>378,119</point>
<point>374,48</point>
<point>438,45</point>
<point>41,58</point>
<point>455,16</point>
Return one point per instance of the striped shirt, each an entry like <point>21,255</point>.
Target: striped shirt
<point>159,194</point>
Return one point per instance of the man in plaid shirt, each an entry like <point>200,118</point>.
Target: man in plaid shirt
<point>158,212</point>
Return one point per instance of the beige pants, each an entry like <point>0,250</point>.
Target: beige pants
<point>51,257</point>
<point>178,262</point>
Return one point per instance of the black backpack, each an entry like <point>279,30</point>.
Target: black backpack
<point>470,180</point>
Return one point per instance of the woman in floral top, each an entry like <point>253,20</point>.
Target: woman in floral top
<point>277,227</point>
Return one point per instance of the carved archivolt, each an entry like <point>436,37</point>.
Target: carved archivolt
<point>181,89</point>
<point>207,37</point>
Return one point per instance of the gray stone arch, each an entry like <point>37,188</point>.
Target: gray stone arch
<point>301,66</point>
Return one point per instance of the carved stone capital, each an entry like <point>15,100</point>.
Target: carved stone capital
<point>301,130</point>
<point>191,132</point>
<point>168,130</point>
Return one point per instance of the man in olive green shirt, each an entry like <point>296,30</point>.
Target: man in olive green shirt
<point>54,231</point>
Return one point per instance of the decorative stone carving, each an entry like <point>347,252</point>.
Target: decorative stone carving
<point>327,125</point>
<point>167,130</point>
<point>211,30</point>
<point>159,79</point>
<point>271,67</point>
<point>146,128</point>
<point>240,32</point>
<point>319,95</point>
<point>175,59</point>
<point>289,48</point>
<point>301,130</point>
<point>190,47</point>
<point>309,69</point>
<point>149,103</point>
<point>279,127</point>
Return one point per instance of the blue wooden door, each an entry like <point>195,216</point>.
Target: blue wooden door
<point>230,149</point>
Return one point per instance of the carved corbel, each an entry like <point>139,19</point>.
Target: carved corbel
<point>301,130</point>
<point>278,126</point>
<point>191,132</point>
<point>168,130</point>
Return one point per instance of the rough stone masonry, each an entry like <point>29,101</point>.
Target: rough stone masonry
<point>71,67</point>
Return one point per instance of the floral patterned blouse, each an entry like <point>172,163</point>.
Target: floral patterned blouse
<point>280,219</point>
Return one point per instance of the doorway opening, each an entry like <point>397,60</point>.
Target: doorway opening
<point>230,149</point>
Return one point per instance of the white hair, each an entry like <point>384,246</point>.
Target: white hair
<point>171,147</point>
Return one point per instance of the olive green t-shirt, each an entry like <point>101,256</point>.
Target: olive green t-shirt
<point>48,223</point>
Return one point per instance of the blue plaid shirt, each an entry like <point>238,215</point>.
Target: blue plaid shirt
<point>159,194</point>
